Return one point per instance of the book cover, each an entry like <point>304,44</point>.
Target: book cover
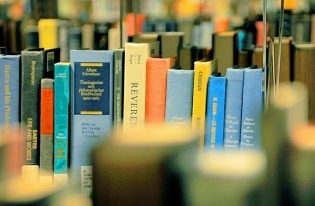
<point>304,62</point>
<point>91,73</point>
<point>46,127</point>
<point>119,67</point>
<point>225,50</point>
<point>179,95</point>
<point>201,76</point>
<point>252,107</point>
<point>61,117</point>
<point>32,73</point>
<point>214,137</point>
<point>233,107</point>
<point>156,89</point>
<point>136,55</point>
<point>48,33</point>
<point>9,90</point>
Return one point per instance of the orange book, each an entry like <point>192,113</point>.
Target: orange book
<point>156,89</point>
<point>131,28</point>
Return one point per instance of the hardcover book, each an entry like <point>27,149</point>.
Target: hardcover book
<point>119,67</point>
<point>202,72</point>
<point>233,107</point>
<point>61,117</point>
<point>92,113</point>
<point>136,55</point>
<point>32,73</point>
<point>9,90</point>
<point>225,50</point>
<point>214,138</point>
<point>46,127</point>
<point>179,95</point>
<point>303,71</point>
<point>156,89</point>
<point>171,42</point>
<point>252,107</point>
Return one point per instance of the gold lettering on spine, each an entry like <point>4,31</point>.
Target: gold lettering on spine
<point>29,136</point>
<point>7,95</point>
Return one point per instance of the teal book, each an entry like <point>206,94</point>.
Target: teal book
<point>215,112</point>
<point>32,73</point>
<point>252,108</point>
<point>92,109</point>
<point>179,95</point>
<point>119,56</point>
<point>9,90</point>
<point>233,107</point>
<point>61,117</point>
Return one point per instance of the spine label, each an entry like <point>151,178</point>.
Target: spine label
<point>90,92</point>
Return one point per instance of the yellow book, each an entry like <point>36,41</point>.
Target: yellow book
<point>48,33</point>
<point>136,55</point>
<point>202,72</point>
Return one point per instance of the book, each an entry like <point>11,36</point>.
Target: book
<point>244,58</point>
<point>46,128</point>
<point>179,96</point>
<point>48,33</point>
<point>252,108</point>
<point>88,30</point>
<point>136,55</point>
<point>233,107</point>
<point>142,153</point>
<point>74,38</point>
<point>51,56</point>
<point>152,39</point>
<point>32,73</point>
<point>187,57</point>
<point>101,36</point>
<point>63,29</point>
<point>61,118</point>
<point>10,90</point>
<point>303,71</point>
<point>215,112</point>
<point>155,94</point>
<point>301,27</point>
<point>92,113</point>
<point>171,42</point>
<point>119,67</point>
<point>257,57</point>
<point>225,50</point>
<point>31,40</point>
<point>201,76</point>
<point>286,73</point>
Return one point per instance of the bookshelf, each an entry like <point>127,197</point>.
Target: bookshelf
<point>155,102</point>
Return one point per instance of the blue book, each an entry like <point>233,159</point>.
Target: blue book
<point>252,108</point>
<point>233,107</point>
<point>9,90</point>
<point>179,94</point>
<point>215,112</point>
<point>61,117</point>
<point>92,108</point>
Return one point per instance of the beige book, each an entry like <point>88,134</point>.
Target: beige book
<point>136,55</point>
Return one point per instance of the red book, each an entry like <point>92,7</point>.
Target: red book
<point>46,125</point>
<point>156,77</point>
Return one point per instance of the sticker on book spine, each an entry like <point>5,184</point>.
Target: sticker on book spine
<point>91,88</point>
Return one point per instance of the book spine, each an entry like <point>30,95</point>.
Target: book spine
<point>233,107</point>
<point>156,89</point>
<point>48,33</point>
<point>32,73</point>
<point>118,86</point>
<point>201,76</point>
<point>61,117</point>
<point>179,95</point>
<point>252,107</point>
<point>135,79</point>
<point>215,113</point>
<point>92,109</point>
<point>9,90</point>
<point>46,126</point>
